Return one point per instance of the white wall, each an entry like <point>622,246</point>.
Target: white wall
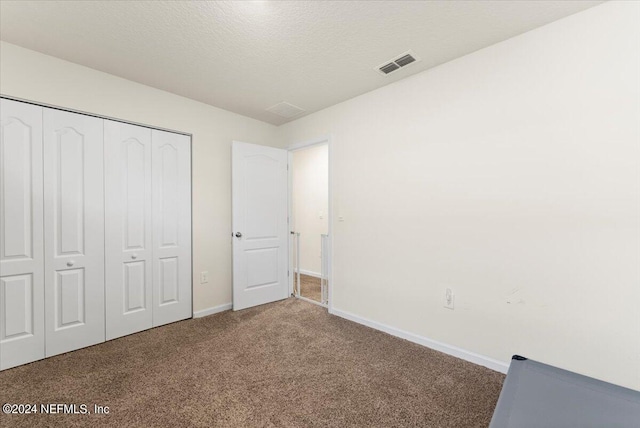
<point>311,202</point>
<point>34,76</point>
<point>511,175</point>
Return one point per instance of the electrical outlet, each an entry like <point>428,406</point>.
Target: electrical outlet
<point>449,298</point>
<point>204,277</point>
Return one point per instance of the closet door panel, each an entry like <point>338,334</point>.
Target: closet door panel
<point>129,230</point>
<point>74,231</point>
<point>172,227</point>
<point>22,336</point>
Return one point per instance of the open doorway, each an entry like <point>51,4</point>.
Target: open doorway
<point>310,221</point>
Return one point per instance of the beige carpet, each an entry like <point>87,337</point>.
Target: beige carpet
<point>310,287</point>
<point>284,364</point>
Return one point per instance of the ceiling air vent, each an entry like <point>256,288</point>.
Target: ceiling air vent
<point>386,69</point>
<point>405,60</point>
<point>285,110</point>
<point>397,63</point>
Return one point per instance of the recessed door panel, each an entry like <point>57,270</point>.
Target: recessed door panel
<point>172,227</point>
<point>128,228</point>
<point>168,193</point>
<point>261,186</point>
<point>18,306</point>
<point>262,267</point>
<point>22,333</point>
<point>69,195</point>
<point>135,288</point>
<point>259,192</point>
<point>135,186</point>
<point>168,280</point>
<point>16,190</point>
<point>74,230</point>
<point>70,307</point>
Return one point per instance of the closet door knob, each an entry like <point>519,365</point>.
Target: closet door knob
<point>134,256</point>
<point>238,235</point>
<point>71,263</point>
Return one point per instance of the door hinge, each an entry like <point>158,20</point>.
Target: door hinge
<point>287,273</point>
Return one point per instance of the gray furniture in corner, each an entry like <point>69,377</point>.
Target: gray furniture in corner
<point>540,395</point>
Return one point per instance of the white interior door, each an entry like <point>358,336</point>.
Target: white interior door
<point>21,236</point>
<point>260,251</point>
<point>171,171</point>
<point>128,229</point>
<point>74,230</point>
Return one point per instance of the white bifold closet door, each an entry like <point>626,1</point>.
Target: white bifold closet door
<point>148,228</point>
<point>129,229</point>
<point>21,237</point>
<point>74,231</point>
<point>95,230</point>
<point>171,157</point>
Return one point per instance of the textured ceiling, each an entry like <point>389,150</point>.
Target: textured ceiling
<point>247,56</point>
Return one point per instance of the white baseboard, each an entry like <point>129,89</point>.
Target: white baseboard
<point>214,310</point>
<point>308,272</point>
<point>481,360</point>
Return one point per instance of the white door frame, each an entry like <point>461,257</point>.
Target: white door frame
<point>325,139</point>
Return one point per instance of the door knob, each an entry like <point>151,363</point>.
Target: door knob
<point>238,235</point>
<point>71,263</point>
<point>134,256</point>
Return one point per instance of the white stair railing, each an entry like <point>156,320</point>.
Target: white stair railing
<point>298,264</point>
<point>324,269</point>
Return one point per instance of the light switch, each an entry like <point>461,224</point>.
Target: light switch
<point>321,215</point>
<point>204,277</point>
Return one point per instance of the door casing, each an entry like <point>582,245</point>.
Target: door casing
<point>325,139</point>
